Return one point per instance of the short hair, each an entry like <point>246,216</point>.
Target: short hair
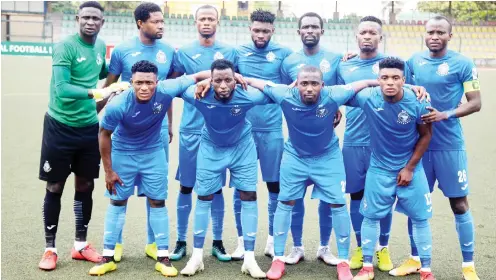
<point>143,11</point>
<point>144,66</point>
<point>204,7</point>
<point>311,14</point>
<point>392,62</point>
<point>221,64</point>
<point>91,4</point>
<point>262,16</point>
<point>372,19</point>
<point>440,17</point>
<point>311,69</point>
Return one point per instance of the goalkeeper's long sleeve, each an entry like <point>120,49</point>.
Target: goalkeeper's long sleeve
<point>62,76</point>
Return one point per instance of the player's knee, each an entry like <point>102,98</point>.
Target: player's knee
<point>219,191</point>
<point>290,202</point>
<point>118,202</point>
<point>55,187</point>
<point>206,197</point>
<point>420,223</point>
<point>84,184</point>
<point>357,195</point>
<point>248,196</point>
<point>156,203</point>
<point>459,205</point>
<point>273,187</point>
<point>336,205</point>
<point>186,190</point>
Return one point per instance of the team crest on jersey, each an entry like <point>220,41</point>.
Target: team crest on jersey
<point>375,68</point>
<point>475,76</point>
<point>157,107</point>
<point>270,56</point>
<point>443,69</point>
<point>404,118</point>
<point>161,57</point>
<point>325,66</point>
<point>99,59</point>
<point>236,111</point>
<point>218,55</point>
<point>321,111</point>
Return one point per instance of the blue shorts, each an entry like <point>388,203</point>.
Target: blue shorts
<point>325,171</point>
<point>381,192</point>
<point>356,163</point>
<point>188,151</point>
<point>147,171</point>
<point>449,168</point>
<point>241,160</point>
<point>270,145</point>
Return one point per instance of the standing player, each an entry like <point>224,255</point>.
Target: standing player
<point>262,59</point>
<point>134,156</point>
<point>226,142</point>
<point>398,140</point>
<point>447,76</point>
<point>146,46</point>
<point>356,144</point>
<point>311,153</point>
<point>70,131</point>
<point>191,59</point>
<point>310,29</point>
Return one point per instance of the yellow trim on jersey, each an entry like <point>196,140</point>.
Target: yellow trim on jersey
<point>469,86</point>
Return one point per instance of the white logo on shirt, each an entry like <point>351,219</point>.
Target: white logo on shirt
<point>196,56</point>
<point>157,107</point>
<point>297,109</point>
<point>81,59</point>
<point>353,68</point>
<point>375,68</point>
<point>211,106</point>
<point>321,111</point>
<point>161,57</point>
<point>422,63</point>
<point>301,65</point>
<point>378,109</point>
<point>46,167</point>
<point>325,66</point>
<point>99,59</point>
<point>136,114</point>
<point>270,56</point>
<point>464,187</point>
<point>404,118</point>
<point>218,55</point>
<point>236,111</point>
<point>135,54</point>
<point>443,69</point>
<point>248,54</point>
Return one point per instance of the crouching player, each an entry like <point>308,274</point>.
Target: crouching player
<point>135,157</point>
<point>398,138</point>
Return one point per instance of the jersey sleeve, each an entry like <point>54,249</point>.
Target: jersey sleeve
<point>340,94</point>
<point>175,87</point>
<point>114,112</point>
<point>258,97</point>
<point>285,77</point>
<point>360,98</point>
<point>177,62</point>
<point>189,95</point>
<point>469,77</point>
<point>340,79</point>
<point>115,66</point>
<point>63,55</point>
<point>276,93</point>
<point>422,110</point>
<point>409,75</point>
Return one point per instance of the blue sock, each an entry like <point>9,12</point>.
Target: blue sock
<point>202,218</point>
<point>385,229</point>
<point>119,239</point>
<point>282,221</point>
<point>159,222</point>
<point>341,220</point>
<point>249,220</point>
<point>465,229</point>
<point>114,222</point>
<point>325,223</point>
<point>218,216</point>
<point>412,241</point>
<point>184,205</point>
<point>297,222</point>
<point>356,220</point>
<point>423,238</point>
<point>237,212</point>
<point>149,231</point>
<point>370,234</point>
<point>272,206</point>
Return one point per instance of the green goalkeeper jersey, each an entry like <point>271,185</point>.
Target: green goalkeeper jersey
<point>86,64</point>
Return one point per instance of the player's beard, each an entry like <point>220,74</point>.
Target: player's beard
<point>262,47</point>
<point>312,44</point>
<point>441,49</point>
<point>368,49</point>
<point>207,36</point>
<point>153,36</point>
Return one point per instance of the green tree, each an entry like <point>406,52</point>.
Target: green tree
<point>474,11</point>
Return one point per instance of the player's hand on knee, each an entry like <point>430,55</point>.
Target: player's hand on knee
<point>348,55</point>
<point>434,115</point>
<point>111,178</point>
<point>240,80</point>
<point>421,93</point>
<point>404,177</point>
<point>337,118</point>
<point>202,88</point>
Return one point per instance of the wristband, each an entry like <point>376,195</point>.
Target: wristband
<point>450,114</point>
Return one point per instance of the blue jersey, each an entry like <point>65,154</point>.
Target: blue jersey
<point>192,59</point>
<point>310,127</point>
<point>444,80</point>
<point>393,127</point>
<point>225,123</point>
<point>263,64</point>
<point>356,132</point>
<point>325,60</point>
<point>125,55</point>
<point>136,126</point>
